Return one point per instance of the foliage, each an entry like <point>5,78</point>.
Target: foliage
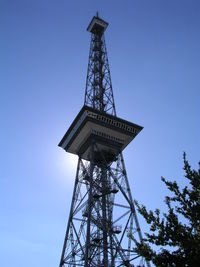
<point>175,234</point>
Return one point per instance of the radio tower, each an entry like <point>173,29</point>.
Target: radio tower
<point>102,219</point>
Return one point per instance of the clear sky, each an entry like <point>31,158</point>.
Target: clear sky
<point>154,54</point>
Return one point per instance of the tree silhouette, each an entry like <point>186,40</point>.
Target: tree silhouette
<point>174,238</point>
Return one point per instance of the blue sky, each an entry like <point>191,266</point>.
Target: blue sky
<point>154,55</point>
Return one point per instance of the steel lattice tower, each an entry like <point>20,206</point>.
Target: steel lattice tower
<point>102,219</point>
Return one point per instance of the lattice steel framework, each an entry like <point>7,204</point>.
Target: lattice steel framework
<point>102,219</point>
<point>99,93</point>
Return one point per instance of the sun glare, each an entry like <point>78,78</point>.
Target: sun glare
<point>68,165</point>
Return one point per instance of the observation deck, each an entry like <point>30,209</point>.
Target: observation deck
<point>110,134</point>
<point>97,25</point>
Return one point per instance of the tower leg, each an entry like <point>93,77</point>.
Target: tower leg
<point>70,215</point>
<point>88,243</point>
<point>104,216</point>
